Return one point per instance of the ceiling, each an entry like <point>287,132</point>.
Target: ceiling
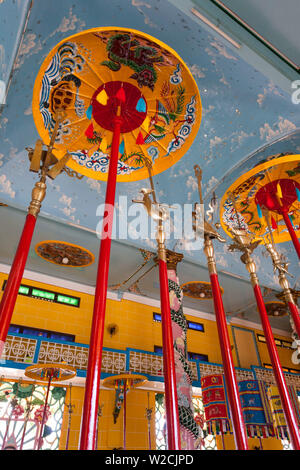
<point>247,112</point>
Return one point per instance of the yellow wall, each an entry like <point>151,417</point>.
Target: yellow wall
<point>136,329</point>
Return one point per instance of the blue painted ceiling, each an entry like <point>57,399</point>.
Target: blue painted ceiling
<point>244,110</point>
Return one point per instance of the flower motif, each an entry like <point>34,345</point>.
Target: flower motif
<point>17,411</point>
<point>38,414</point>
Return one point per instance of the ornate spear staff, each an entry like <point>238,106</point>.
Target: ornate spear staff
<point>244,242</point>
<point>99,414</point>
<point>41,160</point>
<point>230,378</point>
<point>281,268</point>
<point>149,416</point>
<point>70,411</point>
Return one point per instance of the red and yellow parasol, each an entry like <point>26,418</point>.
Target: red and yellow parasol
<point>129,104</point>
<point>266,198</point>
<point>90,74</point>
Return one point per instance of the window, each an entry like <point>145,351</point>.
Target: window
<point>197,357</point>
<point>285,369</point>
<point>279,342</point>
<point>27,330</point>
<point>195,326</point>
<point>191,325</point>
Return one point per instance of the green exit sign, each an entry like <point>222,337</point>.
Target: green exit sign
<point>64,299</point>
<point>24,290</point>
<point>50,296</point>
<point>43,294</point>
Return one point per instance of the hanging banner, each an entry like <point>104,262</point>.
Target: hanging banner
<point>277,412</point>
<point>215,404</point>
<point>257,421</point>
<point>119,398</point>
<point>295,402</point>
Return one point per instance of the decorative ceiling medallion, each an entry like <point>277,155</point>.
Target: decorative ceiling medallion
<point>276,309</point>
<point>64,254</point>
<point>199,290</point>
<point>295,293</point>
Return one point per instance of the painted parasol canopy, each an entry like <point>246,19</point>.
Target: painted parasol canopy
<point>57,372</point>
<point>89,74</point>
<point>131,380</point>
<point>260,196</point>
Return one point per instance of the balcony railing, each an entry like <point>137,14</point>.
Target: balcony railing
<point>21,351</point>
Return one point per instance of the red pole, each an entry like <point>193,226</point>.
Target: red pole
<point>90,407</point>
<point>124,415</point>
<point>172,416</point>
<point>282,387</point>
<point>229,372</point>
<point>291,230</point>
<point>10,294</point>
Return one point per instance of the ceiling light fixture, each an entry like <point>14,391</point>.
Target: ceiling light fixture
<point>215,28</point>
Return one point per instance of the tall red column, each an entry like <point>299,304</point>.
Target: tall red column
<point>172,416</point>
<point>280,380</point>
<point>291,230</point>
<point>229,371</point>
<point>10,294</point>
<point>90,407</point>
<point>243,243</point>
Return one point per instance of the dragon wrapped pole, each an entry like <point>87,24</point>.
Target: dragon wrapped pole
<point>189,431</point>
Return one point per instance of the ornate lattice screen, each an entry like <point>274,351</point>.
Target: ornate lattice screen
<point>21,410</point>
